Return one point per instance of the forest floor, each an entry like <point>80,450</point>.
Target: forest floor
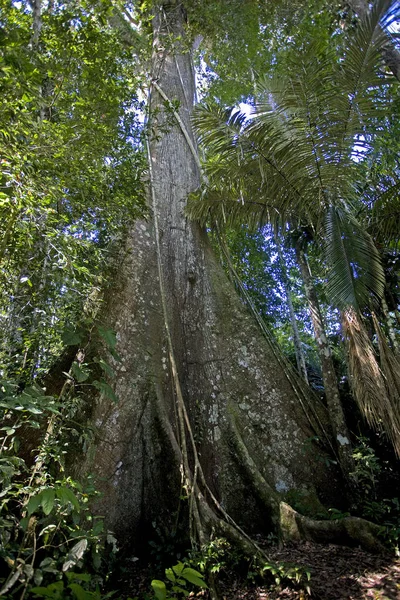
<point>337,573</point>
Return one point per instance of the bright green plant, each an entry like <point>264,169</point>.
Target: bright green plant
<point>69,171</point>
<point>285,572</point>
<point>215,557</point>
<point>371,504</point>
<point>178,578</point>
<point>46,525</point>
<point>219,557</point>
<point>367,468</point>
<point>294,161</point>
<point>74,589</point>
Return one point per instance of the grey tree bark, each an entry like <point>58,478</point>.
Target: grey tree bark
<point>184,336</point>
<point>37,21</point>
<point>335,409</point>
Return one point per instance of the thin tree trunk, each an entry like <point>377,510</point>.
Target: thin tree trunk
<point>300,360</point>
<point>190,352</point>
<point>37,21</point>
<point>336,414</point>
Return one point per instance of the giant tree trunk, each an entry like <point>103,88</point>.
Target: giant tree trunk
<point>182,331</point>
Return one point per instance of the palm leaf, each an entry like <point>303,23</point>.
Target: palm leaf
<point>384,220</point>
<point>217,206</point>
<point>355,271</point>
<point>367,380</point>
<point>330,104</point>
<point>295,158</point>
<point>218,128</point>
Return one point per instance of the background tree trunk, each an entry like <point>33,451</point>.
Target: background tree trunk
<point>300,359</point>
<point>227,372</point>
<point>335,409</point>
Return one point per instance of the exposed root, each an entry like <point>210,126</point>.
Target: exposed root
<point>229,531</point>
<point>292,525</point>
<point>348,531</point>
<point>264,491</point>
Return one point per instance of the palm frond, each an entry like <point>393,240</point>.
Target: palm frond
<point>295,158</point>
<point>240,169</point>
<point>364,52</point>
<point>358,77</point>
<point>218,128</point>
<point>330,105</point>
<point>356,275</point>
<point>367,380</point>
<point>384,221</point>
<point>390,366</point>
<point>217,207</point>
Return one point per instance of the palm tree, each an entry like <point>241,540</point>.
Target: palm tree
<point>298,160</point>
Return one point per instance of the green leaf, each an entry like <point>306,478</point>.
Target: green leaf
<point>47,501</point>
<point>180,590</point>
<point>108,370</point>
<point>178,568</point>
<point>108,336</point>
<point>96,560</point>
<point>159,589</point>
<point>355,269</point>
<point>106,390</point>
<point>38,576</point>
<point>32,409</point>
<point>170,575</point>
<point>71,338</point>
<point>81,594</point>
<point>34,503</point>
<point>79,374</point>
<point>45,592</point>
<point>65,495</point>
<point>194,577</point>
<point>54,590</point>
<point>98,527</point>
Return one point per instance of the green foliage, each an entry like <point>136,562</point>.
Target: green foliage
<point>298,160</point>
<point>74,590</point>
<point>218,556</point>
<point>288,573</point>
<point>232,45</point>
<point>370,503</point>
<point>177,580</point>
<point>367,467</point>
<point>46,523</point>
<point>70,172</point>
<point>241,38</point>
